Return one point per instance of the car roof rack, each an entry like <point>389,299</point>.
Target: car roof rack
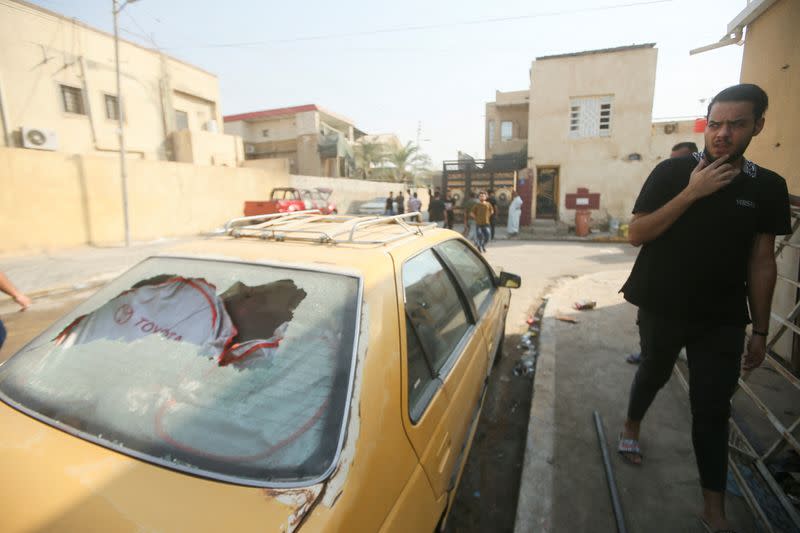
<point>312,226</point>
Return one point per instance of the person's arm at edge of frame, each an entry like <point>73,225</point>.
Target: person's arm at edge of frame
<point>705,180</point>
<point>761,275</point>
<point>7,287</point>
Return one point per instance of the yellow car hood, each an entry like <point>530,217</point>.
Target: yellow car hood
<point>53,481</point>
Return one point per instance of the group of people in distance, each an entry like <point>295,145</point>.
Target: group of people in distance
<point>480,213</point>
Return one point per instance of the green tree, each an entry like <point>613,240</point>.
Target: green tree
<point>369,155</point>
<point>408,160</point>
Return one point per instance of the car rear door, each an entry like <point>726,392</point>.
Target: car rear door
<point>444,367</point>
<point>476,278</point>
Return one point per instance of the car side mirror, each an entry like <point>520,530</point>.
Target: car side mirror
<point>511,281</point>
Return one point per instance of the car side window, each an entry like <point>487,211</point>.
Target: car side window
<point>421,380</point>
<point>433,307</point>
<point>473,272</point>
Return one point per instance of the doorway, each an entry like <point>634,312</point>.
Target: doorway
<point>547,193</point>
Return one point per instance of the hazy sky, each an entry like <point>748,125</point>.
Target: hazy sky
<point>440,67</point>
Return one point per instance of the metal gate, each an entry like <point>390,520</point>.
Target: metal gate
<point>474,175</point>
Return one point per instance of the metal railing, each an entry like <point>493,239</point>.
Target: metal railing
<point>312,226</point>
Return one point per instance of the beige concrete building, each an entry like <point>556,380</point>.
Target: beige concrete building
<point>589,126</point>
<point>315,141</point>
<point>507,124</point>
<point>771,59</point>
<point>586,121</point>
<point>58,93</point>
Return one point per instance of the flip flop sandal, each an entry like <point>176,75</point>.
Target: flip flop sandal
<point>634,358</point>
<point>628,447</point>
<point>708,528</point>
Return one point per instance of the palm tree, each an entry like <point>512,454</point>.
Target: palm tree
<point>408,160</point>
<point>368,155</point>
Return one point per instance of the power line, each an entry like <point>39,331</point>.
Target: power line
<point>425,27</point>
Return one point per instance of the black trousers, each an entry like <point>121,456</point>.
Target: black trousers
<point>714,353</point>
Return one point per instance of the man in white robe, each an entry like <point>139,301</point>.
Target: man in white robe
<point>514,212</point>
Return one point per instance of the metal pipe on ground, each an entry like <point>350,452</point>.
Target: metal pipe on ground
<point>612,484</point>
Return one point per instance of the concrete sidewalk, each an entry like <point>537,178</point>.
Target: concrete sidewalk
<point>581,368</point>
<point>42,274</point>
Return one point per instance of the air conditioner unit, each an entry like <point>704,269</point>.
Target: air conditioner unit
<point>39,139</point>
<point>672,127</point>
<point>249,149</point>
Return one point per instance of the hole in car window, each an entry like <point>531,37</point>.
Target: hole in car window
<point>229,370</point>
<point>434,308</point>
<point>473,272</point>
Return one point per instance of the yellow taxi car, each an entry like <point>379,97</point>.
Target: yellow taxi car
<point>300,371</point>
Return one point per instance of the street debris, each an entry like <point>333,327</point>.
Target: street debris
<point>525,367</point>
<point>565,318</point>
<point>585,305</point>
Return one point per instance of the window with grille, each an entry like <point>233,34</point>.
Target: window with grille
<point>590,117</point>
<point>574,117</point>
<point>491,133</point>
<point>605,117</point>
<point>111,107</point>
<point>72,98</point>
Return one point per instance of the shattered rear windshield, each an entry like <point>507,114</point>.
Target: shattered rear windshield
<point>235,371</point>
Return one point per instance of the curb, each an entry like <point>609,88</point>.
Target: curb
<point>535,505</point>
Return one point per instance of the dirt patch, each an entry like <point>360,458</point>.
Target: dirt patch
<point>487,496</point>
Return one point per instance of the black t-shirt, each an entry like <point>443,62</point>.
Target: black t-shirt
<point>697,268</point>
<point>436,210</point>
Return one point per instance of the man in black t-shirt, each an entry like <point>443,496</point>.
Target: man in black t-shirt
<point>436,211</point>
<point>389,209</point>
<point>449,213</point>
<point>707,223</point>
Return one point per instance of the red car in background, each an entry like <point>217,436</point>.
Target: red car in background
<point>289,199</point>
<point>282,200</point>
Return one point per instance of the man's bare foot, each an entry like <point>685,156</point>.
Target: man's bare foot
<point>713,516</point>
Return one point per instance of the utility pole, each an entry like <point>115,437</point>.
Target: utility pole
<point>115,9</point>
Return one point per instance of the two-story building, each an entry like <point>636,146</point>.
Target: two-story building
<point>586,122</point>
<point>58,92</point>
<point>316,142</point>
<point>507,124</point>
